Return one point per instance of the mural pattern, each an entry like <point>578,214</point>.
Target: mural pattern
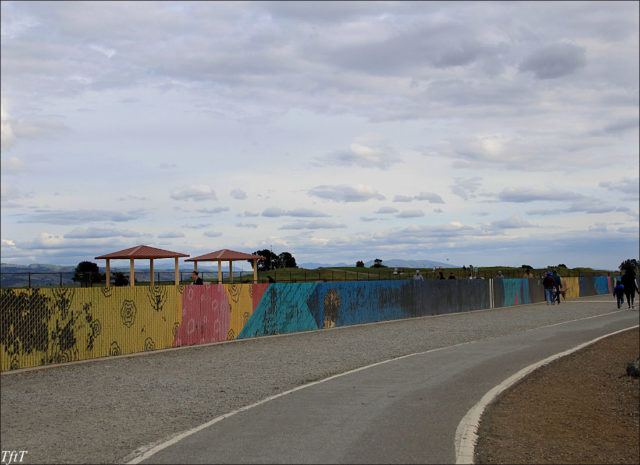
<point>42,326</point>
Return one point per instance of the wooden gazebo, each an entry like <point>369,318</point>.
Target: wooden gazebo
<point>226,255</point>
<point>141,252</point>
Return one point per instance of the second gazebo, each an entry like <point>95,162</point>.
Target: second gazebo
<point>226,255</point>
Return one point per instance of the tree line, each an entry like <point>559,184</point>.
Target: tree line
<point>273,262</point>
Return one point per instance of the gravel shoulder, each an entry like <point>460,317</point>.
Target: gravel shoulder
<point>101,411</point>
<point>582,408</point>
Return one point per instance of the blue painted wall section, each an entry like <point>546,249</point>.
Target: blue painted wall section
<point>343,304</point>
<point>601,285</point>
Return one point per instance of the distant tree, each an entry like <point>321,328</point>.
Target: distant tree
<point>630,266</point>
<point>87,273</point>
<point>360,264</point>
<point>377,263</point>
<point>527,267</point>
<point>119,279</point>
<point>269,261</point>
<point>561,265</point>
<point>286,260</point>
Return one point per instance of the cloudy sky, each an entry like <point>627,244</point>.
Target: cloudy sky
<point>474,133</point>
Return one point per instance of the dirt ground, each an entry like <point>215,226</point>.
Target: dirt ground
<point>582,408</point>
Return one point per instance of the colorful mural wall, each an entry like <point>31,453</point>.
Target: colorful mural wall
<point>56,325</point>
<point>42,326</point>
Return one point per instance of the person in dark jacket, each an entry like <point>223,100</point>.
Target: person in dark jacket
<point>196,279</point>
<point>557,284</point>
<point>629,282</point>
<point>548,283</point>
<point>618,293</point>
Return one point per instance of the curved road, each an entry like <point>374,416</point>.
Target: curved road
<point>405,410</point>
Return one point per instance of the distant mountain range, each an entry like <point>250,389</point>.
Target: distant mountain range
<point>392,263</point>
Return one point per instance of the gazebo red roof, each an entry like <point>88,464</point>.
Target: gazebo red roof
<point>224,255</point>
<point>143,251</point>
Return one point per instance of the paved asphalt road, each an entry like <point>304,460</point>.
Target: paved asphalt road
<point>403,411</point>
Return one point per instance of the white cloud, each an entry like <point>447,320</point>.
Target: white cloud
<point>466,187</point>
<point>363,153</point>
<point>274,212</point>
<point>525,195</point>
<point>410,214</point>
<point>238,194</point>
<point>196,193</point>
<point>13,165</point>
<point>386,210</point>
<point>429,196</point>
<point>513,222</point>
<point>108,52</point>
<point>69,217</point>
<point>97,232</point>
<point>628,186</point>
<point>212,211</point>
<point>316,224</point>
<point>344,193</point>
<point>7,135</point>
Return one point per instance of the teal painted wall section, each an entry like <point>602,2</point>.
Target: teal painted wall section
<point>282,309</point>
<point>512,289</point>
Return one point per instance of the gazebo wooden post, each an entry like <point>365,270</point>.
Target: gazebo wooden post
<point>219,272</point>
<point>108,281</point>
<point>177,275</point>
<point>195,267</point>
<point>255,271</point>
<point>230,271</point>
<point>131,277</point>
<point>151,280</point>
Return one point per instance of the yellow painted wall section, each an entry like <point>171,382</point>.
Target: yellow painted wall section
<point>241,303</point>
<point>84,323</point>
<point>572,286</point>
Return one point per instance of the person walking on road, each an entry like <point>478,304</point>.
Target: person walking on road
<point>557,283</point>
<point>618,293</point>
<point>629,282</point>
<point>549,283</point>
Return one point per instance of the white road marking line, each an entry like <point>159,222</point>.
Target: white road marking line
<point>467,430</point>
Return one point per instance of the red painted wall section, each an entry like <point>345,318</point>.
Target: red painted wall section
<point>258,292</point>
<point>205,315</point>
